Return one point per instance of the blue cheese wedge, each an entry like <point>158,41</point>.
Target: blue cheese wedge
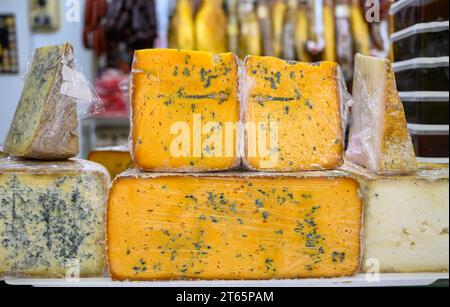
<point>45,125</point>
<point>52,218</point>
<point>406,220</point>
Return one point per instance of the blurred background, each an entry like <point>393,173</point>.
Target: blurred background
<point>105,34</point>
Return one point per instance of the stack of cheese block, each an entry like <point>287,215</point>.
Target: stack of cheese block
<point>52,207</point>
<point>183,215</point>
<point>238,175</point>
<point>297,214</point>
<point>406,205</point>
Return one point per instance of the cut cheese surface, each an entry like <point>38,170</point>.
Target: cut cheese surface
<point>297,111</point>
<point>406,221</point>
<point>52,218</point>
<point>182,102</point>
<point>233,226</point>
<point>115,159</point>
<point>45,125</point>
<point>379,136</point>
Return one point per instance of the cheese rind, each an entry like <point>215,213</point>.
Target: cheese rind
<point>406,221</point>
<point>178,94</point>
<point>233,226</point>
<point>52,218</point>
<point>379,137</point>
<point>304,101</point>
<point>115,159</point>
<point>45,125</point>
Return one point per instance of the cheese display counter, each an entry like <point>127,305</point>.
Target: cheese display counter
<point>240,171</point>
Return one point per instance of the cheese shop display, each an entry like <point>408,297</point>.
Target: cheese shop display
<point>210,27</point>
<point>45,125</point>
<point>423,74</point>
<point>301,30</point>
<point>115,159</point>
<point>406,220</point>
<point>421,40</point>
<point>420,45</point>
<point>234,226</point>
<point>407,13</point>
<point>52,218</point>
<point>182,102</point>
<point>430,108</point>
<point>305,102</point>
<point>379,138</point>
<point>430,141</point>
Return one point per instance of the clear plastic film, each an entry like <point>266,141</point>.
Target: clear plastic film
<point>258,214</point>
<point>379,138</point>
<point>295,115</point>
<point>55,97</point>
<point>52,218</point>
<point>197,94</point>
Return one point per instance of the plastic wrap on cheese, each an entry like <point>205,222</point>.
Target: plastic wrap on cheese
<point>295,115</point>
<point>233,226</point>
<point>55,97</point>
<point>52,219</point>
<point>185,111</point>
<point>379,138</point>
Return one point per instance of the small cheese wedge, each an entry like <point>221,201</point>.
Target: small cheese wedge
<point>379,136</point>
<point>233,226</point>
<point>116,159</point>
<point>45,125</point>
<point>182,102</point>
<point>293,115</point>
<point>52,218</point>
<point>406,221</point>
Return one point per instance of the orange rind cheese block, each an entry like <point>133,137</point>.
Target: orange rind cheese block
<point>185,106</point>
<point>115,159</point>
<point>233,226</point>
<point>294,115</point>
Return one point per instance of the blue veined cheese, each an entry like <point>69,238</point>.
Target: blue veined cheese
<point>52,218</point>
<point>45,125</point>
<point>406,227</point>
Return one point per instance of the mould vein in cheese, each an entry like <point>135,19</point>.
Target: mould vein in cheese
<point>52,218</point>
<point>45,125</point>
<point>379,136</point>
<point>172,91</point>
<point>233,226</point>
<point>305,101</point>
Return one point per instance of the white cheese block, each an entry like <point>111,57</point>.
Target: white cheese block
<point>52,218</point>
<point>406,221</point>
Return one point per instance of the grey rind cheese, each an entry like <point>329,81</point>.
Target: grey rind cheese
<point>52,218</point>
<point>45,125</point>
<point>406,224</point>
